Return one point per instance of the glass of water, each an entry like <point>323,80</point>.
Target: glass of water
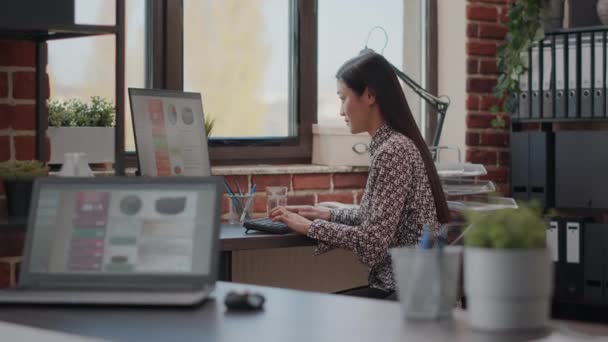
<point>275,196</point>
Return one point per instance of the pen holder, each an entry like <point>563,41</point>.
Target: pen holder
<point>427,280</point>
<point>240,208</point>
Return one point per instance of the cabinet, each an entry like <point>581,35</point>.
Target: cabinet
<point>30,20</point>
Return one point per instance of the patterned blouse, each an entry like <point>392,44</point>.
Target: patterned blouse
<point>396,203</point>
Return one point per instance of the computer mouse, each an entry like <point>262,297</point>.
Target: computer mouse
<point>244,301</point>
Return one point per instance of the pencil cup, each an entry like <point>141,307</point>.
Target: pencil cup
<point>427,280</point>
<point>240,208</point>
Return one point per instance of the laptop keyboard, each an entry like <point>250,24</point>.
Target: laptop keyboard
<point>267,225</point>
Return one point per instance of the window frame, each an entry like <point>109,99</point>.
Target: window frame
<point>165,41</point>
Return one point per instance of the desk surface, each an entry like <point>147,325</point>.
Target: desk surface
<point>233,237</point>
<point>289,315</point>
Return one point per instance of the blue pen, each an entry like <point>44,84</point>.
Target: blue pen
<point>426,239</point>
<point>248,203</point>
<point>234,200</point>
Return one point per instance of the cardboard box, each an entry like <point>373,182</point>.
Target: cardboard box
<point>335,145</point>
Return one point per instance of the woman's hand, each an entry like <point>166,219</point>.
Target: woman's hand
<point>296,222</point>
<point>306,211</point>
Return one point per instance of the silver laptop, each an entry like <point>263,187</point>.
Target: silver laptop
<point>133,240</point>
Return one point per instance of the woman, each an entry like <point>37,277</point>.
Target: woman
<point>403,190</point>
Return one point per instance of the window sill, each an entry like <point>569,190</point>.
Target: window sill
<point>283,169</point>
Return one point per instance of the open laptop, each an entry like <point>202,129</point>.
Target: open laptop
<point>134,240</point>
<point>169,133</point>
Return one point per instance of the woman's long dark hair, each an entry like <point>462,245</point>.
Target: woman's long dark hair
<point>372,71</point>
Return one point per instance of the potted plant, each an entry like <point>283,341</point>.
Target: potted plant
<point>209,124</point>
<point>508,272</point>
<point>77,126</point>
<point>528,22</point>
<point>18,177</point>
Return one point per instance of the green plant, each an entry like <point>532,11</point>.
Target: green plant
<point>22,170</point>
<point>524,227</point>
<point>524,29</point>
<point>209,123</point>
<point>76,113</point>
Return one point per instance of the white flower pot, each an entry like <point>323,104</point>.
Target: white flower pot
<point>508,289</point>
<point>96,142</point>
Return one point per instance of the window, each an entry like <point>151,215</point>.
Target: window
<point>256,64</point>
<point>237,55</point>
<point>338,43</point>
<point>84,67</point>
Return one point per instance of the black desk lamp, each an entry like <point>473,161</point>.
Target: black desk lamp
<point>440,104</point>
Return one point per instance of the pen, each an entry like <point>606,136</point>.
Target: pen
<point>235,201</point>
<point>238,187</point>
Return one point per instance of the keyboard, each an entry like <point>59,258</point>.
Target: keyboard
<point>267,225</point>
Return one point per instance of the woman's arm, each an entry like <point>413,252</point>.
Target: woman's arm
<point>349,216</point>
<point>371,238</point>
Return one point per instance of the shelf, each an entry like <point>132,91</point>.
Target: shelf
<point>483,203</point>
<point>452,170</point>
<point>71,31</point>
<point>464,187</point>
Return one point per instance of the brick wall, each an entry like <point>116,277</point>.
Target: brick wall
<point>17,132</point>
<point>306,188</point>
<point>486,30</point>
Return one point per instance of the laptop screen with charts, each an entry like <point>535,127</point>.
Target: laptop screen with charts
<point>169,133</point>
<point>124,234</point>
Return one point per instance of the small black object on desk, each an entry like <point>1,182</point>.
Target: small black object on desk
<point>244,301</point>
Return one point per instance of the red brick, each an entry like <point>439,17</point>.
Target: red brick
<point>504,14</point>
<point>480,85</point>
<point>500,139</point>
<point>488,101</point>
<point>17,53</point>
<point>23,117</point>
<point>472,139</point>
<point>301,199</point>
<point>342,197</point>
<point>5,274</point>
<point>350,180</point>
<point>264,181</point>
<point>311,181</point>
<point>6,116</point>
<point>24,85</point>
<point>25,147</point>
<point>3,84</point>
<point>241,180</point>
<point>497,174</point>
<point>472,102</point>
<point>504,158</point>
<point>481,48</point>
<point>358,197</point>
<point>480,12</point>
<point>472,66</point>
<point>492,31</point>
<point>479,120</point>
<point>11,243</point>
<point>259,203</point>
<point>486,157</point>
<point>472,30</point>
<point>488,67</point>
<point>5,148</point>
<point>492,1</point>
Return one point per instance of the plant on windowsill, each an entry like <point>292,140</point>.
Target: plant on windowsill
<point>528,20</point>
<point>18,177</point>
<point>209,124</point>
<point>77,126</point>
<point>508,273</point>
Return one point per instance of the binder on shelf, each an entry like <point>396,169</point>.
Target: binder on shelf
<point>536,83</point>
<point>553,246</point>
<point>519,165</point>
<point>560,78</point>
<point>585,92</point>
<point>571,236</point>
<point>547,93</point>
<point>524,98</point>
<point>599,91</point>
<point>573,91</point>
<point>593,261</point>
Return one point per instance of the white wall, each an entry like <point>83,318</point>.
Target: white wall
<point>451,22</point>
